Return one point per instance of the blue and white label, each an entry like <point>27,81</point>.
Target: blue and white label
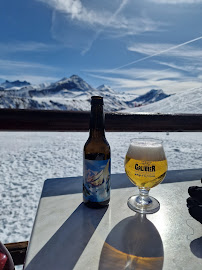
<point>96,180</point>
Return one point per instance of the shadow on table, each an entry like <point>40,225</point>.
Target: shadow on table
<point>196,247</point>
<point>134,243</point>
<point>72,185</point>
<point>62,251</point>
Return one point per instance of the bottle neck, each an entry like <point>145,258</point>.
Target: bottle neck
<point>97,121</point>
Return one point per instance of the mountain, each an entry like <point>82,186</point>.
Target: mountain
<point>69,94</point>
<point>66,87</point>
<point>66,94</point>
<point>74,94</point>
<point>106,89</point>
<point>189,101</point>
<point>150,97</point>
<point>17,84</point>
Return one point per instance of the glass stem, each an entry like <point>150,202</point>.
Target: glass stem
<point>143,197</point>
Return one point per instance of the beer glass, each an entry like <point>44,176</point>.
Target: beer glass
<point>146,167</point>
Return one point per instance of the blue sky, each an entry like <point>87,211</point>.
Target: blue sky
<point>129,45</point>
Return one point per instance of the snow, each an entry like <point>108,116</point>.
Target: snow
<point>151,97</point>
<point>28,159</point>
<point>15,84</point>
<point>189,101</point>
<point>74,94</point>
<point>66,94</point>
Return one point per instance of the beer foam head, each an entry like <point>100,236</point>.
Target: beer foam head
<point>146,149</point>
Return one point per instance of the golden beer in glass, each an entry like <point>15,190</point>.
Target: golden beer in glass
<point>146,167</point>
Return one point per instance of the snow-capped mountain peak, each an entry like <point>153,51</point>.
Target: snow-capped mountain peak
<point>74,83</point>
<point>189,101</point>
<point>74,93</point>
<point>7,84</point>
<point>151,96</point>
<point>62,80</point>
<point>106,89</point>
<point>76,78</point>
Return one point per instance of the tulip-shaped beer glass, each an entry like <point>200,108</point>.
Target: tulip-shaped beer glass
<point>146,167</point>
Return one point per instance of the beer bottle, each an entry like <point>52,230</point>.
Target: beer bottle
<point>96,160</point>
<point>6,261</point>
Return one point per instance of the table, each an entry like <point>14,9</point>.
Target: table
<point>68,235</point>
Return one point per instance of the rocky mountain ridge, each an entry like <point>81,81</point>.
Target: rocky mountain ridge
<point>71,93</point>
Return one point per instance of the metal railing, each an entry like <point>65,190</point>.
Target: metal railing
<point>45,120</point>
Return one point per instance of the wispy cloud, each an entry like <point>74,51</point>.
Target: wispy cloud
<point>16,65</point>
<point>141,80</point>
<point>169,81</point>
<point>180,50</point>
<point>182,57</point>
<point>91,21</point>
<point>175,2</point>
<point>25,47</point>
<point>77,11</point>
<point>153,49</point>
<point>191,66</point>
<point>136,73</point>
<point>34,79</point>
<point>118,10</point>
<point>33,72</point>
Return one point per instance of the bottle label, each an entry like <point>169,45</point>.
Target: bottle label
<point>96,187</point>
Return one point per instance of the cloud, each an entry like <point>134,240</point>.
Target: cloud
<point>184,57</point>
<point>142,80</point>
<point>155,49</point>
<point>118,10</point>
<point>75,10</point>
<point>194,66</point>
<point>25,47</point>
<point>169,85</point>
<point>184,68</point>
<point>84,24</point>
<point>33,72</point>
<point>137,73</point>
<point>175,2</point>
<point>20,65</point>
<point>33,79</point>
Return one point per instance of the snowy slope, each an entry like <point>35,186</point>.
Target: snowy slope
<point>189,101</point>
<point>151,97</point>
<point>74,94</point>
<point>15,84</point>
<point>106,90</point>
<point>29,158</point>
<point>66,94</point>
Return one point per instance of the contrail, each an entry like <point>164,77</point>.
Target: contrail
<point>122,5</point>
<point>167,50</point>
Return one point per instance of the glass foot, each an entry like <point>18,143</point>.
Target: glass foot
<point>136,204</point>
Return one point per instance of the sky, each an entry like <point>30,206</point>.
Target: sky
<point>129,45</point>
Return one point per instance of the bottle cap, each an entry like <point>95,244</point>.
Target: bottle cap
<point>96,100</point>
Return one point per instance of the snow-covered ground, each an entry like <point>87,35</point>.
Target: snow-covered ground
<point>27,159</point>
<point>74,93</point>
<point>189,101</point>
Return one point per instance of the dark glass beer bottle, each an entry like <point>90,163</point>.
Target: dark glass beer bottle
<point>6,261</point>
<point>96,160</point>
